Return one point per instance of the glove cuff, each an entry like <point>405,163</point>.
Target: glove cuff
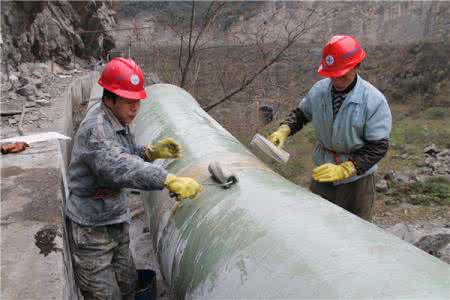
<point>350,169</point>
<point>169,179</point>
<point>285,129</point>
<point>149,152</point>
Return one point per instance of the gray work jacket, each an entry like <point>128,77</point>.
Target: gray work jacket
<point>364,116</point>
<point>106,160</point>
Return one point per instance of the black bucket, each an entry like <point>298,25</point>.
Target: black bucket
<point>146,285</point>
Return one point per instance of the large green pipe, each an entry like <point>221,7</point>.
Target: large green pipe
<point>266,237</point>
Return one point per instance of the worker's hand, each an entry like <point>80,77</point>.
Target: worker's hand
<point>332,172</point>
<point>182,187</point>
<point>279,137</point>
<point>166,148</point>
<point>14,147</point>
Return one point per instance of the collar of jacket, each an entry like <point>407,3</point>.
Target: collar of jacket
<point>348,89</point>
<point>355,95</point>
<point>117,126</point>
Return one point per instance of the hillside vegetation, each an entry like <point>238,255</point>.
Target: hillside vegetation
<point>412,69</point>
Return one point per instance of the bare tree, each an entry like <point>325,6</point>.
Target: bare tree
<point>259,49</point>
<point>272,45</point>
<point>191,34</point>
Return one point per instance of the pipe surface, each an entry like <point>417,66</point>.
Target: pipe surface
<point>266,237</point>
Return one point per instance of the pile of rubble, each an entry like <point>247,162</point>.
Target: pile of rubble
<point>428,184</point>
<point>32,87</point>
<point>436,164</point>
<point>433,239</point>
<point>26,84</point>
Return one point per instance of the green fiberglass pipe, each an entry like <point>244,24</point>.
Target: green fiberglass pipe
<point>266,237</point>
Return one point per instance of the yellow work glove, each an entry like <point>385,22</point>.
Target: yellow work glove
<point>166,148</point>
<point>332,172</point>
<point>182,187</point>
<point>279,137</point>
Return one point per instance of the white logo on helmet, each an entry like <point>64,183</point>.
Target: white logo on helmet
<point>134,79</point>
<point>329,60</point>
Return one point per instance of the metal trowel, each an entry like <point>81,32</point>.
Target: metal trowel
<point>268,148</point>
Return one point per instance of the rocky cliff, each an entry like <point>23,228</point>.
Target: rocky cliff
<point>39,30</point>
<point>372,22</point>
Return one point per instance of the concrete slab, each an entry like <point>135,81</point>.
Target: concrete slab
<point>31,243</point>
<point>33,265</point>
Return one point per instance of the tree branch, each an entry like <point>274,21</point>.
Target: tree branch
<point>191,30</point>
<point>292,37</point>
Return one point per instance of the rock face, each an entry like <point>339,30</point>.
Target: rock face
<point>37,31</point>
<point>371,22</point>
<point>432,239</point>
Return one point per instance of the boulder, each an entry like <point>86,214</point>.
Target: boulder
<point>37,74</point>
<point>13,77</point>
<point>404,232</point>
<point>431,238</point>
<point>43,102</point>
<point>13,96</point>
<point>431,150</point>
<point>395,177</point>
<point>12,121</point>
<point>24,80</point>
<point>382,186</point>
<point>6,86</point>
<point>434,243</point>
<point>38,83</point>
<point>444,153</point>
<point>27,90</point>
<point>24,69</point>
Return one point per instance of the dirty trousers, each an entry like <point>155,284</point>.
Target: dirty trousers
<point>356,197</point>
<point>103,264</point>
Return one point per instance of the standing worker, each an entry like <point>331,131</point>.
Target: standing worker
<point>352,123</point>
<point>105,161</point>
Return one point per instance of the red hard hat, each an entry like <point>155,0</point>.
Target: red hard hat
<point>124,78</point>
<point>341,54</point>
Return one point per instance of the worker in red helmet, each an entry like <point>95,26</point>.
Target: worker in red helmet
<point>352,123</point>
<point>105,161</point>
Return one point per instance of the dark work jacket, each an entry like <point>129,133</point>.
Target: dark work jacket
<point>106,160</point>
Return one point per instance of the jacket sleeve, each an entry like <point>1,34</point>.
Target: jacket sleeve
<point>114,165</point>
<point>295,120</point>
<point>379,123</point>
<point>140,151</point>
<point>298,117</point>
<point>368,155</point>
<point>376,134</point>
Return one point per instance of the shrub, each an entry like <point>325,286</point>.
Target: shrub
<point>436,113</point>
<point>435,190</point>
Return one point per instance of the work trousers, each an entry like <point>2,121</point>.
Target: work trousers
<point>356,197</point>
<point>103,264</point>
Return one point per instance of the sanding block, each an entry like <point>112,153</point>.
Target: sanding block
<point>268,148</point>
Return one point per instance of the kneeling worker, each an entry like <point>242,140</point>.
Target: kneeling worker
<point>352,123</point>
<point>105,160</point>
